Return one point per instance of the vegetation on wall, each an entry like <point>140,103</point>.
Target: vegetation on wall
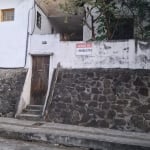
<point>105,17</point>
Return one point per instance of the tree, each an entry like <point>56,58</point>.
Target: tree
<point>104,13</point>
<point>140,10</point>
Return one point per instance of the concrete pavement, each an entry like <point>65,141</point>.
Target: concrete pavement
<point>7,144</point>
<point>69,135</point>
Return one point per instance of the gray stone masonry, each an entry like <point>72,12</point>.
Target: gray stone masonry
<point>102,98</point>
<point>11,85</point>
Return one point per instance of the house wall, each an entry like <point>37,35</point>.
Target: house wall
<point>46,23</point>
<point>14,34</point>
<point>111,54</point>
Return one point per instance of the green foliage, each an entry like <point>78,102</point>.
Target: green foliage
<point>140,10</point>
<point>106,21</point>
<point>107,12</point>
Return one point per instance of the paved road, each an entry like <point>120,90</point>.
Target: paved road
<point>6,144</point>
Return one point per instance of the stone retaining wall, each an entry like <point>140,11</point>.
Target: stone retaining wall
<point>11,85</point>
<point>103,98</point>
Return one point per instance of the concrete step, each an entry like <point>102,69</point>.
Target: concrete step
<point>31,111</point>
<point>34,107</point>
<point>32,117</point>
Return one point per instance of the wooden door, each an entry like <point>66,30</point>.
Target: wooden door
<point>39,80</point>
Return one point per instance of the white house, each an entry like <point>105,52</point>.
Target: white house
<point>31,38</point>
<point>29,25</point>
<point>18,21</point>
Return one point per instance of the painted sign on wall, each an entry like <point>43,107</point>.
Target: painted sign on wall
<point>84,49</point>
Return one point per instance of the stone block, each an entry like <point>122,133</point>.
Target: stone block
<point>107,83</point>
<point>103,124</point>
<point>80,88</point>
<point>117,108</point>
<point>95,91</point>
<point>147,116</point>
<point>105,106</point>
<point>102,99</point>
<point>111,114</point>
<point>144,91</point>
<point>93,104</point>
<point>122,102</point>
<point>135,103</point>
<point>138,82</point>
<point>143,109</point>
<point>120,122</point>
<point>101,114</point>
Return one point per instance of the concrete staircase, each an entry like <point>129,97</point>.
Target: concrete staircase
<point>32,112</point>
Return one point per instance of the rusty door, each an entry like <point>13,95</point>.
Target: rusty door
<point>39,80</point>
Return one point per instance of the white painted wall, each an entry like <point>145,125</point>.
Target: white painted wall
<point>142,56</point>
<point>111,54</point>
<point>25,95</point>
<point>13,37</point>
<point>14,34</point>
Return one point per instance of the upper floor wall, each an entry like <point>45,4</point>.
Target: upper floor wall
<point>20,19</point>
<point>14,33</point>
<point>40,23</point>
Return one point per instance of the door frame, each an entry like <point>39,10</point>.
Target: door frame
<point>31,60</point>
<point>50,54</point>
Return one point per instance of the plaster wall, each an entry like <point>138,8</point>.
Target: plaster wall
<point>111,54</point>
<point>142,54</point>
<point>14,34</point>
<point>25,95</point>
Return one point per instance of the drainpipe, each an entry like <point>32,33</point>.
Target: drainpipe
<point>28,33</point>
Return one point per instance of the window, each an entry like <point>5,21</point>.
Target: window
<point>38,20</point>
<point>7,15</point>
<point>124,29</point>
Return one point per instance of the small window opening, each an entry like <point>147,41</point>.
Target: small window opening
<point>124,29</point>
<point>7,15</point>
<point>52,30</point>
<point>38,20</point>
<point>71,36</point>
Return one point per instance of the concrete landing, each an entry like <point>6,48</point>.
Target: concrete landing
<point>69,135</point>
<point>7,144</point>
